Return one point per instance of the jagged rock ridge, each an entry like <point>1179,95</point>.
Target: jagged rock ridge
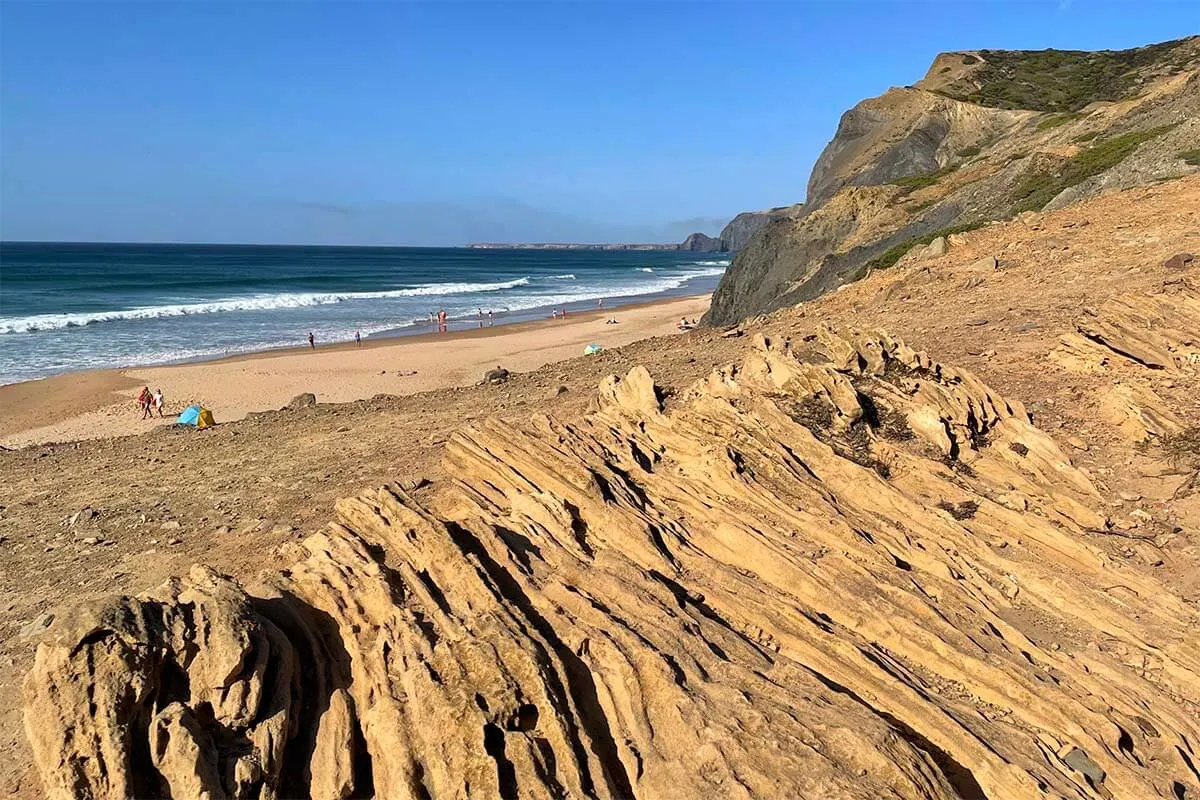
<point>976,140</point>
<point>854,573</point>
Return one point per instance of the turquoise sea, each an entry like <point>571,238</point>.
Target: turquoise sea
<point>85,306</point>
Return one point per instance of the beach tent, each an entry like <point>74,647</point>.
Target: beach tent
<point>199,416</point>
<point>592,348</point>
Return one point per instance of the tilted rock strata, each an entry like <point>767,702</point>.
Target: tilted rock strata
<point>861,575</point>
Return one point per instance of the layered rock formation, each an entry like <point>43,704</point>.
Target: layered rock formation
<point>839,571</point>
<point>983,136</point>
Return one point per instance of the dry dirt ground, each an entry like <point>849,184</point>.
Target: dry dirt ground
<point>118,516</point>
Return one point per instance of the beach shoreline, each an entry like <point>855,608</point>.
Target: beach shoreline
<point>91,404</point>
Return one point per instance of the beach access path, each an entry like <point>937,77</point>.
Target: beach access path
<point>102,403</point>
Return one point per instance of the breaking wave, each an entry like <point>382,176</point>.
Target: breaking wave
<point>263,302</point>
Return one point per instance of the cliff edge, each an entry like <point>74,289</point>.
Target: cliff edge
<point>983,136</point>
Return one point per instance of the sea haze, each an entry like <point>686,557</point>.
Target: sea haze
<point>86,306</point>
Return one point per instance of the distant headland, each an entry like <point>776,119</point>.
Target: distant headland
<point>567,246</point>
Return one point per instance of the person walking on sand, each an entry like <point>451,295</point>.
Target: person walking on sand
<point>158,402</point>
<point>357,339</point>
<point>491,318</point>
<point>147,404</point>
<point>312,342</point>
<point>142,399</point>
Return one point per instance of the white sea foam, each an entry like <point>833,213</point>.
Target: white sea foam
<point>645,269</point>
<point>722,263</point>
<point>567,277</point>
<point>261,302</point>
<point>594,292</point>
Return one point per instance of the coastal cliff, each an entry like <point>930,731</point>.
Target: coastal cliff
<point>984,136</point>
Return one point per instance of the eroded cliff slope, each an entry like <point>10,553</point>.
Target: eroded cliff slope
<point>985,135</point>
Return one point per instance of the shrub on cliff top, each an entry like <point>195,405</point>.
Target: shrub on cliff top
<point>1061,80</point>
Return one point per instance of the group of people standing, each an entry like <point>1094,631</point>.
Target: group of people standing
<point>149,402</point>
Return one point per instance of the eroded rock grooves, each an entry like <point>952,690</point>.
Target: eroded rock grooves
<point>856,574</point>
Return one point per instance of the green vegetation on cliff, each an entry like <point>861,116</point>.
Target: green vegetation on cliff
<point>1056,120</point>
<point>914,182</point>
<point>1061,80</point>
<point>1040,188</point>
<point>894,253</point>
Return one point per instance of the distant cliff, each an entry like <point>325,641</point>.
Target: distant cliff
<point>701,243</point>
<point>736,234</point>
<point>985,135</point>
<point>733,237</point>
<point>567,246</point>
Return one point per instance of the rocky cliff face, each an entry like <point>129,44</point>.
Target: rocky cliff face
<point>741,228</point>
<point>983,136</point>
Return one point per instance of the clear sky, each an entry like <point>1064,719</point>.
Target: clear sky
<point>399,123</point>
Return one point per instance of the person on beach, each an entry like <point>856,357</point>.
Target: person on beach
<point>158,402</point>
<point>431,319</point>
<point>442,320</point>
<point>554,313</point>
<point>600,303</point>
<point>563,313</point>
<point>491,318</point>
<point>312,342</point>
<point>357,339</point>
<point>147,401</point>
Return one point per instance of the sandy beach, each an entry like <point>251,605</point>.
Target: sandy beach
<point>101,403</point>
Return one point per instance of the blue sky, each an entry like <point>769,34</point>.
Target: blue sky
<point>399,123</point>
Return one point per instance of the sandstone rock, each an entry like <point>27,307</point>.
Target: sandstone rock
<point>170,525</point>
<point>86,514</point>
<point>305,400</point>
<point>1156,330</point>
<point>936,248</point>
<point>35,627</point>
<point>1178,261</point>
<point>985,264</point>
<point>1077,443</point>
<point>1138,412</point>
<point>748,591</point>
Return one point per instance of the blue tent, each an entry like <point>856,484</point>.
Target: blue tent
<point>199,416</point>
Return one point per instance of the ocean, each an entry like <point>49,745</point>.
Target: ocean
<point>67,307</point>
